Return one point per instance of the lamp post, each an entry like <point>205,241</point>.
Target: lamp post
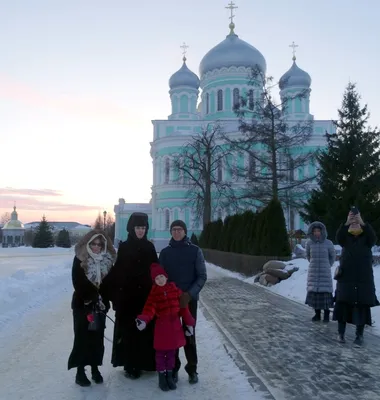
<point>104,219</point>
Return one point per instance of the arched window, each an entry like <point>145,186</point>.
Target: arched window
<point>167,170</point>
<point>236,98</point>
<point>220,171</point>
<point>167,219</point>
<point>251,166</point>
<point>207,103</point>
<point>220,100</point>
<point>251,103</point>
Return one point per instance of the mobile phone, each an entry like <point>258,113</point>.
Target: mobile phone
<point>354,210</point>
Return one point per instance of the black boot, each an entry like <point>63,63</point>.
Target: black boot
<point>132,373</point>
<point>317,316</point>
<point>170,380</point>
<point>175,376</point>
<point>359,335</point>
<point>193,378</point>
<point>162,381</point>
<point>81,378</point>
<point>326,316</point>
<point>341,332</point>
<point>96,375</point>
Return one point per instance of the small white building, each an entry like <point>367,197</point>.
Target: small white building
<point>13,231</point>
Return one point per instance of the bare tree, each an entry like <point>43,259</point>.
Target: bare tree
<point>5,218</point>
<point>199,165</point>
<point>268,138</point>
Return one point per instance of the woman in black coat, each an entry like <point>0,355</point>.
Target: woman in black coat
<point>129,284</point>
<point>94,257</point>
<point>355,290</point>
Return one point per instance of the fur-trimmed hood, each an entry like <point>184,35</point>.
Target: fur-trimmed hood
<point>321,226</point>
<point>81,251</point>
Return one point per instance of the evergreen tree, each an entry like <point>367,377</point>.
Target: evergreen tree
<point>63,239</point>
<point>99,222</point>
<point>275,240</point>
<point>349,169</point>
<point>194,239</point>
<point>44,236</point>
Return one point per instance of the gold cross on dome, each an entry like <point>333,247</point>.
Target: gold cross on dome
<point>294,46</point>
<point>231,6</point>
<point>184,48</point>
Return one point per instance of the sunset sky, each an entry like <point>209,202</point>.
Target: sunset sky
<point>81,80</point>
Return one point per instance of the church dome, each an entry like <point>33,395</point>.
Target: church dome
<point>184,77</point>
<point>232,52</point>
<point>295,77</point>
<point>14,223</point>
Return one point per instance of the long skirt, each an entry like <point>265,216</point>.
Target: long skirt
<point>132,348</point>
<point>319,301</point>
<point>88,348</point>
<point>356,315</point>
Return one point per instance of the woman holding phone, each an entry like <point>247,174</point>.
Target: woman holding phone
<point>355,290</point>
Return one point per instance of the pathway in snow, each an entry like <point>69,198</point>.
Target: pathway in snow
<point>294,358</point>
<point>35,358</point>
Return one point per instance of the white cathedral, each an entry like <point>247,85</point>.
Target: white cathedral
<point>195,102</point>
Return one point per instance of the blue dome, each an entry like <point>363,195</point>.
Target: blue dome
<point>232,52</point>
<point>184,77</point>
<point>295,77</point>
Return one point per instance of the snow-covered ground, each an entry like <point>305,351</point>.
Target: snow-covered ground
<point>36,338</point>
<point>294,288</point>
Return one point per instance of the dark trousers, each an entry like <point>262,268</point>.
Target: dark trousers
<point>342,329</point>
<point>190,347</point>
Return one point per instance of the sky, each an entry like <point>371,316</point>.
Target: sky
<point>81,81</point>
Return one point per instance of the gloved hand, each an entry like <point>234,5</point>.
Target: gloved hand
<point>184,300</point>
<point>141,325</point>
<point>189,331</point>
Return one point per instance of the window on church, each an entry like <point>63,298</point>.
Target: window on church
<point>207,103</point>
<point>251,166</point>
<point>220,214</point>
<point>251,103</point>
<point>220,171</point>
<point>167,171</point>
<point>167,219</point>
<point>236,98</point>
<point>220,100</point>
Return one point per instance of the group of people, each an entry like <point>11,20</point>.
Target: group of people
<point>355,292</point>
<point>155,302</point>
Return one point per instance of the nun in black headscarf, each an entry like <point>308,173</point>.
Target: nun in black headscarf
<point>128,285</point>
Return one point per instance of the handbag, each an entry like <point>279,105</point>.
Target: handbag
<point>96,320</point>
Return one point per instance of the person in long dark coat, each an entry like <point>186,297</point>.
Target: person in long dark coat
<point>94,257</point>
<point>355,290</point>
<point>129,284</point>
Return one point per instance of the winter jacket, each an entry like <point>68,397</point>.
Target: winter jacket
<point>185,266</point>
<point>321,255</point>
<point>356,285</point>
<point>163,303</point>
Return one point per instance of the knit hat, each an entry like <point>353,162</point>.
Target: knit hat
<point>156,269</point>
<point>180,223</point>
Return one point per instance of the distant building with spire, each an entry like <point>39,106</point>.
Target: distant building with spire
<point>224,77</point>
<point>13,231</point>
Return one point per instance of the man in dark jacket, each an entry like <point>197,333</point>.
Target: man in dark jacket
<point>185,266</point>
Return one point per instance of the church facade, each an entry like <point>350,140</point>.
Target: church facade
<point>197,101</point>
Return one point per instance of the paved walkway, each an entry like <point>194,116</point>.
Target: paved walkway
<point>285,354</point>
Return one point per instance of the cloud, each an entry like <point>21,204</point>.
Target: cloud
<point>29,192</point>
<point>36,199</point>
